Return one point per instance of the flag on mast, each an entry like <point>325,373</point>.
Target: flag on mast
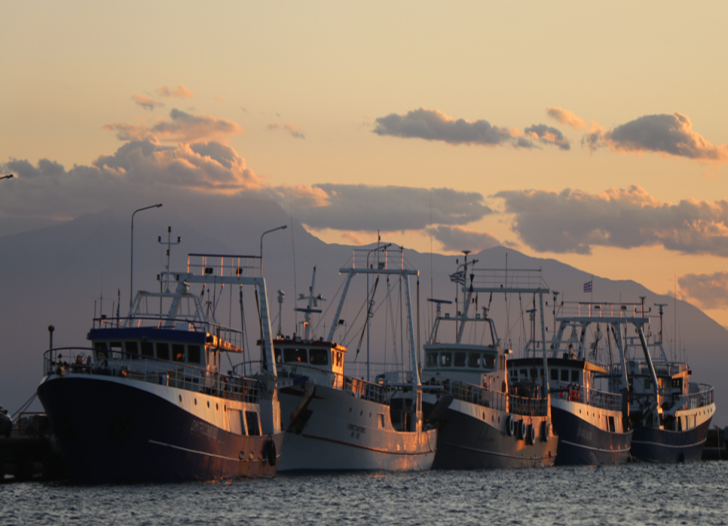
<point>588,286</point>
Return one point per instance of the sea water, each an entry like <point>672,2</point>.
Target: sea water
<point>629,494</point>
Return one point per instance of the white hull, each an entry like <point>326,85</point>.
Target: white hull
<point>343,432</point>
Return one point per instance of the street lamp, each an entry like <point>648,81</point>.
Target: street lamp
<point>131,271</point>
<point>9,176</point>
<point>261,244</point>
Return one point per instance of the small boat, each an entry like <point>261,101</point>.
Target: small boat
<point>336,422</point>
<point>592,423</point>
<point>148,401</point>
<point>670,415</point>
<point>484,420</point>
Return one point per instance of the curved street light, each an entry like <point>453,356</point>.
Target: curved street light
<point>283,227</point>
<point>131,271</point>
<point>9,176</point>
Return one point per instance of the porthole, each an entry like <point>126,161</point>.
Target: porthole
<point>180,398</point>
<point>208,403</point>
<point>195,401</point>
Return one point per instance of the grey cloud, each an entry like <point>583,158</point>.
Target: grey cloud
<point>667,134</point>
<point>709,291</point>
<point>548,135</point>
<point>182,127</point>
<point>433,125</point>
<point>455,238</point>
<point>147,103</point>
<point>293,129</point>
<point>48,190</point>
<point>573,221</point>
<point>387,208</point>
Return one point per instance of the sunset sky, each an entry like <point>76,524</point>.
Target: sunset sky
<point>586,133</point>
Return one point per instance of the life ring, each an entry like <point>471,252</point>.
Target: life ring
<point>522,430</point>
<point>510,426</point>
<point>531,435</point>
<point>270,451</point>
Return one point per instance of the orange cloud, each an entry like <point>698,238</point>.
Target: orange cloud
<point>180,92</point>
<point>566,117</point>
<point>295,130</point>
<point>145,102</point>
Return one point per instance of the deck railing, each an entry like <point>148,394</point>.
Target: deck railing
<point>592,397</point>
<point>134,367</point>
<point>474,394</point>
<point>700,395</point>
<point>356,387</point>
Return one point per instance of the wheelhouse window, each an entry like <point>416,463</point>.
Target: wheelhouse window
<point>574,376</point>
<point>445,359</point>
<point>193,353</point>
<point>178,352</point>
<point>163,351</point>
<point>489,361</point>
<point>101,353</point>
<point>459,359</point>
<point>294,355</point>
<point>115,350</point>
<point>277,352</point>
<point>251,418</point>
<point>132,350</point>
<point>555,374</point>
<point>564,375</point>
<point>318,356</point>
<point>474,360</point>
<point>148,349</point>
<point>523,374</point>
<point>431,359</point>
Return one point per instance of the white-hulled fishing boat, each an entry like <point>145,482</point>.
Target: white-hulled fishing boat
<point>337,422</point>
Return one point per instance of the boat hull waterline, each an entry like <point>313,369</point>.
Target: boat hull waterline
<point>340,432</point>
<point>126,431</point>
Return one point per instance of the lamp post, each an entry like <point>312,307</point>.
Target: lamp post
<point>283,227</point>
<point>9,176</point>
<point>131,270</point>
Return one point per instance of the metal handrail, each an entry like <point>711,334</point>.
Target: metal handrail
<point>513,404</point>
<point>136,367</point>
<point>591,397</point>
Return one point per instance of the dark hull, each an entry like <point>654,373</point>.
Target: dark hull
<point>581,443</point>
<point>465,442</point>
<point>657,445</point>
<point>113,432</point>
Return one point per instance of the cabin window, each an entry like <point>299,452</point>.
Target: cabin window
<point>318,356</point>
<point>193,353</point>
<point>132,350</point>
<point>677,383</point>
<point>648,383</point>
<point>251,418</point>
<point>178,352</point>
<point>574,376</point>
<point>473,359</point>
<point>564,375</point>
<point>100,348</point>
<point>431,359</point>
<point>555,374</point>
<point>148,349</point>
<point>533,373</point>
<point>523,373</point>
<point>459,359</point>
<point>277,353</point>
<point>445,359</point>
<point>163,351</point>
<point>115,350</point>
<point>489,361</point>
<point>294,356</point>
<point>339,358</point>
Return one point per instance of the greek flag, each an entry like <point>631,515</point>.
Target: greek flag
<point>588,286</point>
<point>458,277</point>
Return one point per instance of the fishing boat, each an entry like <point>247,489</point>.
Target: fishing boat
<point>339,422</point>
<point>148,399</point>
<point>670,415</point>
<point>592,423</point>
<point>488,422</point>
